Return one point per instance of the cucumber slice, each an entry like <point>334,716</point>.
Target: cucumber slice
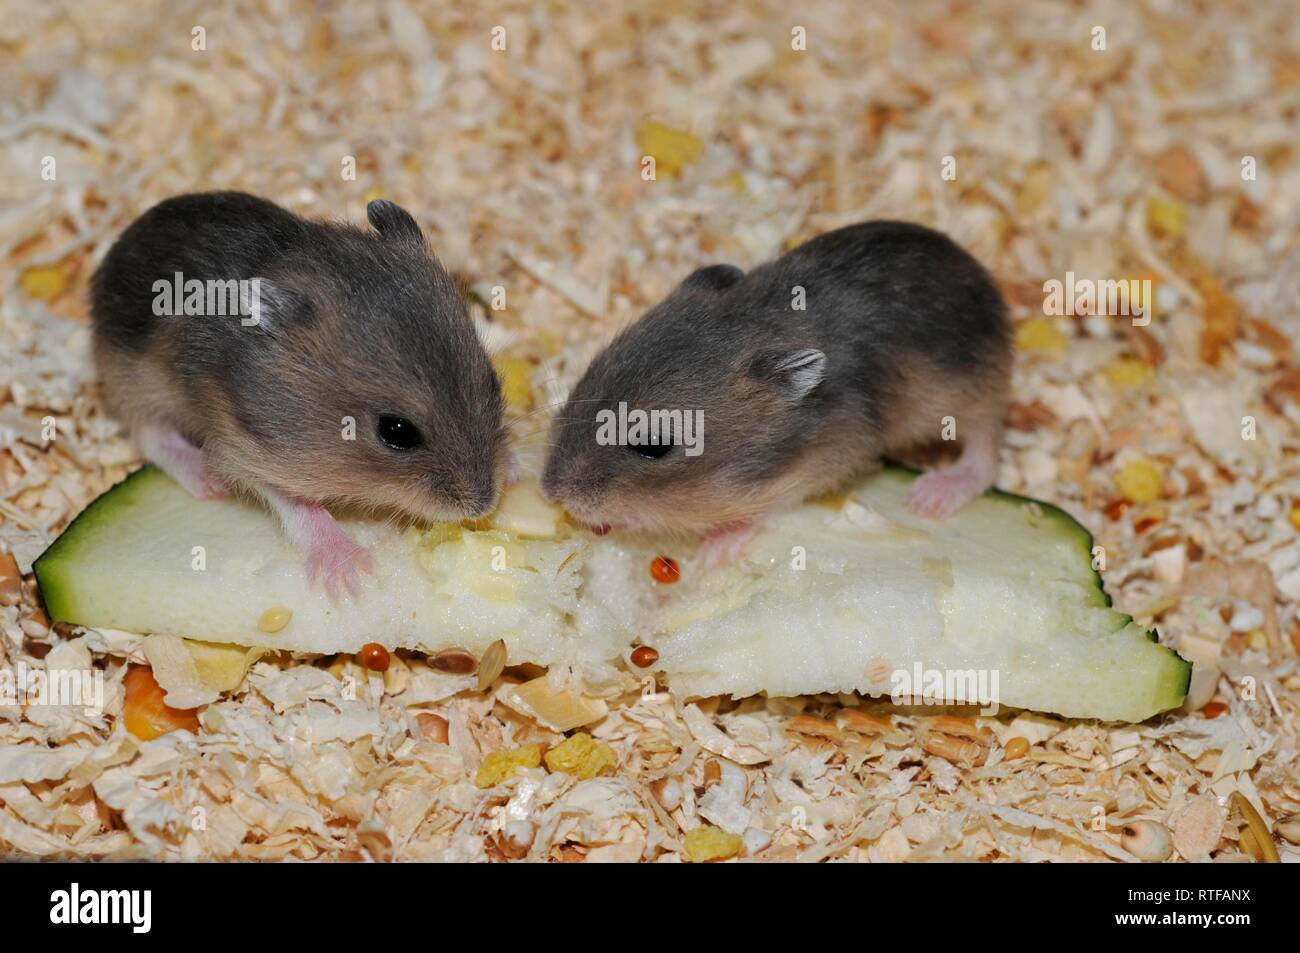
<point>830,598</point>
<point>147,557</point>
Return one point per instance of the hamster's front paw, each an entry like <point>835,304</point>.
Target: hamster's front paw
<point>940,493</point>
<point>337,560</point>
<point>724,544</point>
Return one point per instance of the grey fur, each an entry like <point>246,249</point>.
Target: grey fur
<point>912,329</point>
<point>355,324</point>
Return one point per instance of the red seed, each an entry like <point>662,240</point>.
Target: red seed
<point>375,657</point>
<point>1117,509</point>
<point>664,569</point>
<point>1214,709</point>
<point>643,656</point>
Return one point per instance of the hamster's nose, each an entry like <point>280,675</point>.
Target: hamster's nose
<point>481,500</point>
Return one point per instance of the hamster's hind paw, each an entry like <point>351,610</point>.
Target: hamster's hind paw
<point>337,561</point>
<point>940,493</point>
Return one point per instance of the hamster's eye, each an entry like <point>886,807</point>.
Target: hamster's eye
<point>653,451</point>
<point>399,433</point>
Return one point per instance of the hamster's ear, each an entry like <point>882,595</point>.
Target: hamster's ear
<point>713,278</point>
<point>270,306</point>
<point>394,223</point>
<point>794,373</point>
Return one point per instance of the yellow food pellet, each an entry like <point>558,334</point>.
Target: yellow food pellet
<point>1140,481</point>
<point>734,181</point>
<point>1128,372</point>
<point>503,765</point>
<point>1257,640</point>
<point>1017,747</point>
<point>1040,334</point>
<point>1168,216</point>
<point>672,149</point>
<point>582,756</point>
<point>1294,516</point>
<point>712,843</point>
<point>274,619</point>
<point>1035,189</point>
<point>45,283</point>
<point>516,388</point>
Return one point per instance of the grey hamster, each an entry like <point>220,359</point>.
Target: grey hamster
<point>348,371</point>
<point>900,329</point>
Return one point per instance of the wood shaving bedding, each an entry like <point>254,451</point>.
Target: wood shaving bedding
<point>1175,442</point>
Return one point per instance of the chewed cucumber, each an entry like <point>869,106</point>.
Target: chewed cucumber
<point>857,595</point>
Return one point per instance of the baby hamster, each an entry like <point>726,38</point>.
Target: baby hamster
<point>900,329</point>
<point>347,372</point>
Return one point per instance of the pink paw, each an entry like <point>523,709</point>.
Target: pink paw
<point>338,561</point>
<point>940,493</point>
<point>723,545</point>
<point>204,486</point>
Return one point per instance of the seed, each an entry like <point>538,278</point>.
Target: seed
<point>492,664</point>
<point>374,657</point>
<point>665,570</point>
<point>1147,841</point>
<point>432,727</point>
<point>950,749</point>
<point>274,619</point>
<point>1214,709</point>
<point>962,728</point>
<point>11,581</point>
<point>1266,850</point>
<point>862,723</point>
<point>454,662</point>
<point>1017,747</point>
<point>643,656</point>
<point>712,772</point>
<point>1117,508</point>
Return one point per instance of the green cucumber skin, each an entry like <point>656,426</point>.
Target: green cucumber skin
<point>57,589</point>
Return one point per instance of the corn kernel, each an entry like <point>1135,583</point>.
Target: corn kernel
<point>582,756</point>
<point>734,181</point>
<point>516,386</point>
<point>712,843</point>
<point>44,283</point>
<point>503,765</point>
<point>1128,372</point>
<point>671,148</point>
<point>1040,334</point>
<point>274,619</point>
<point>1167,216</point>
<point>1035,189</point>
<point>145,713</point>
<point>1140,481</point>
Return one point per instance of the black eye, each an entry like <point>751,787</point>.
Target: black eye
<point>399,433</point>
<point>654,451</point>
